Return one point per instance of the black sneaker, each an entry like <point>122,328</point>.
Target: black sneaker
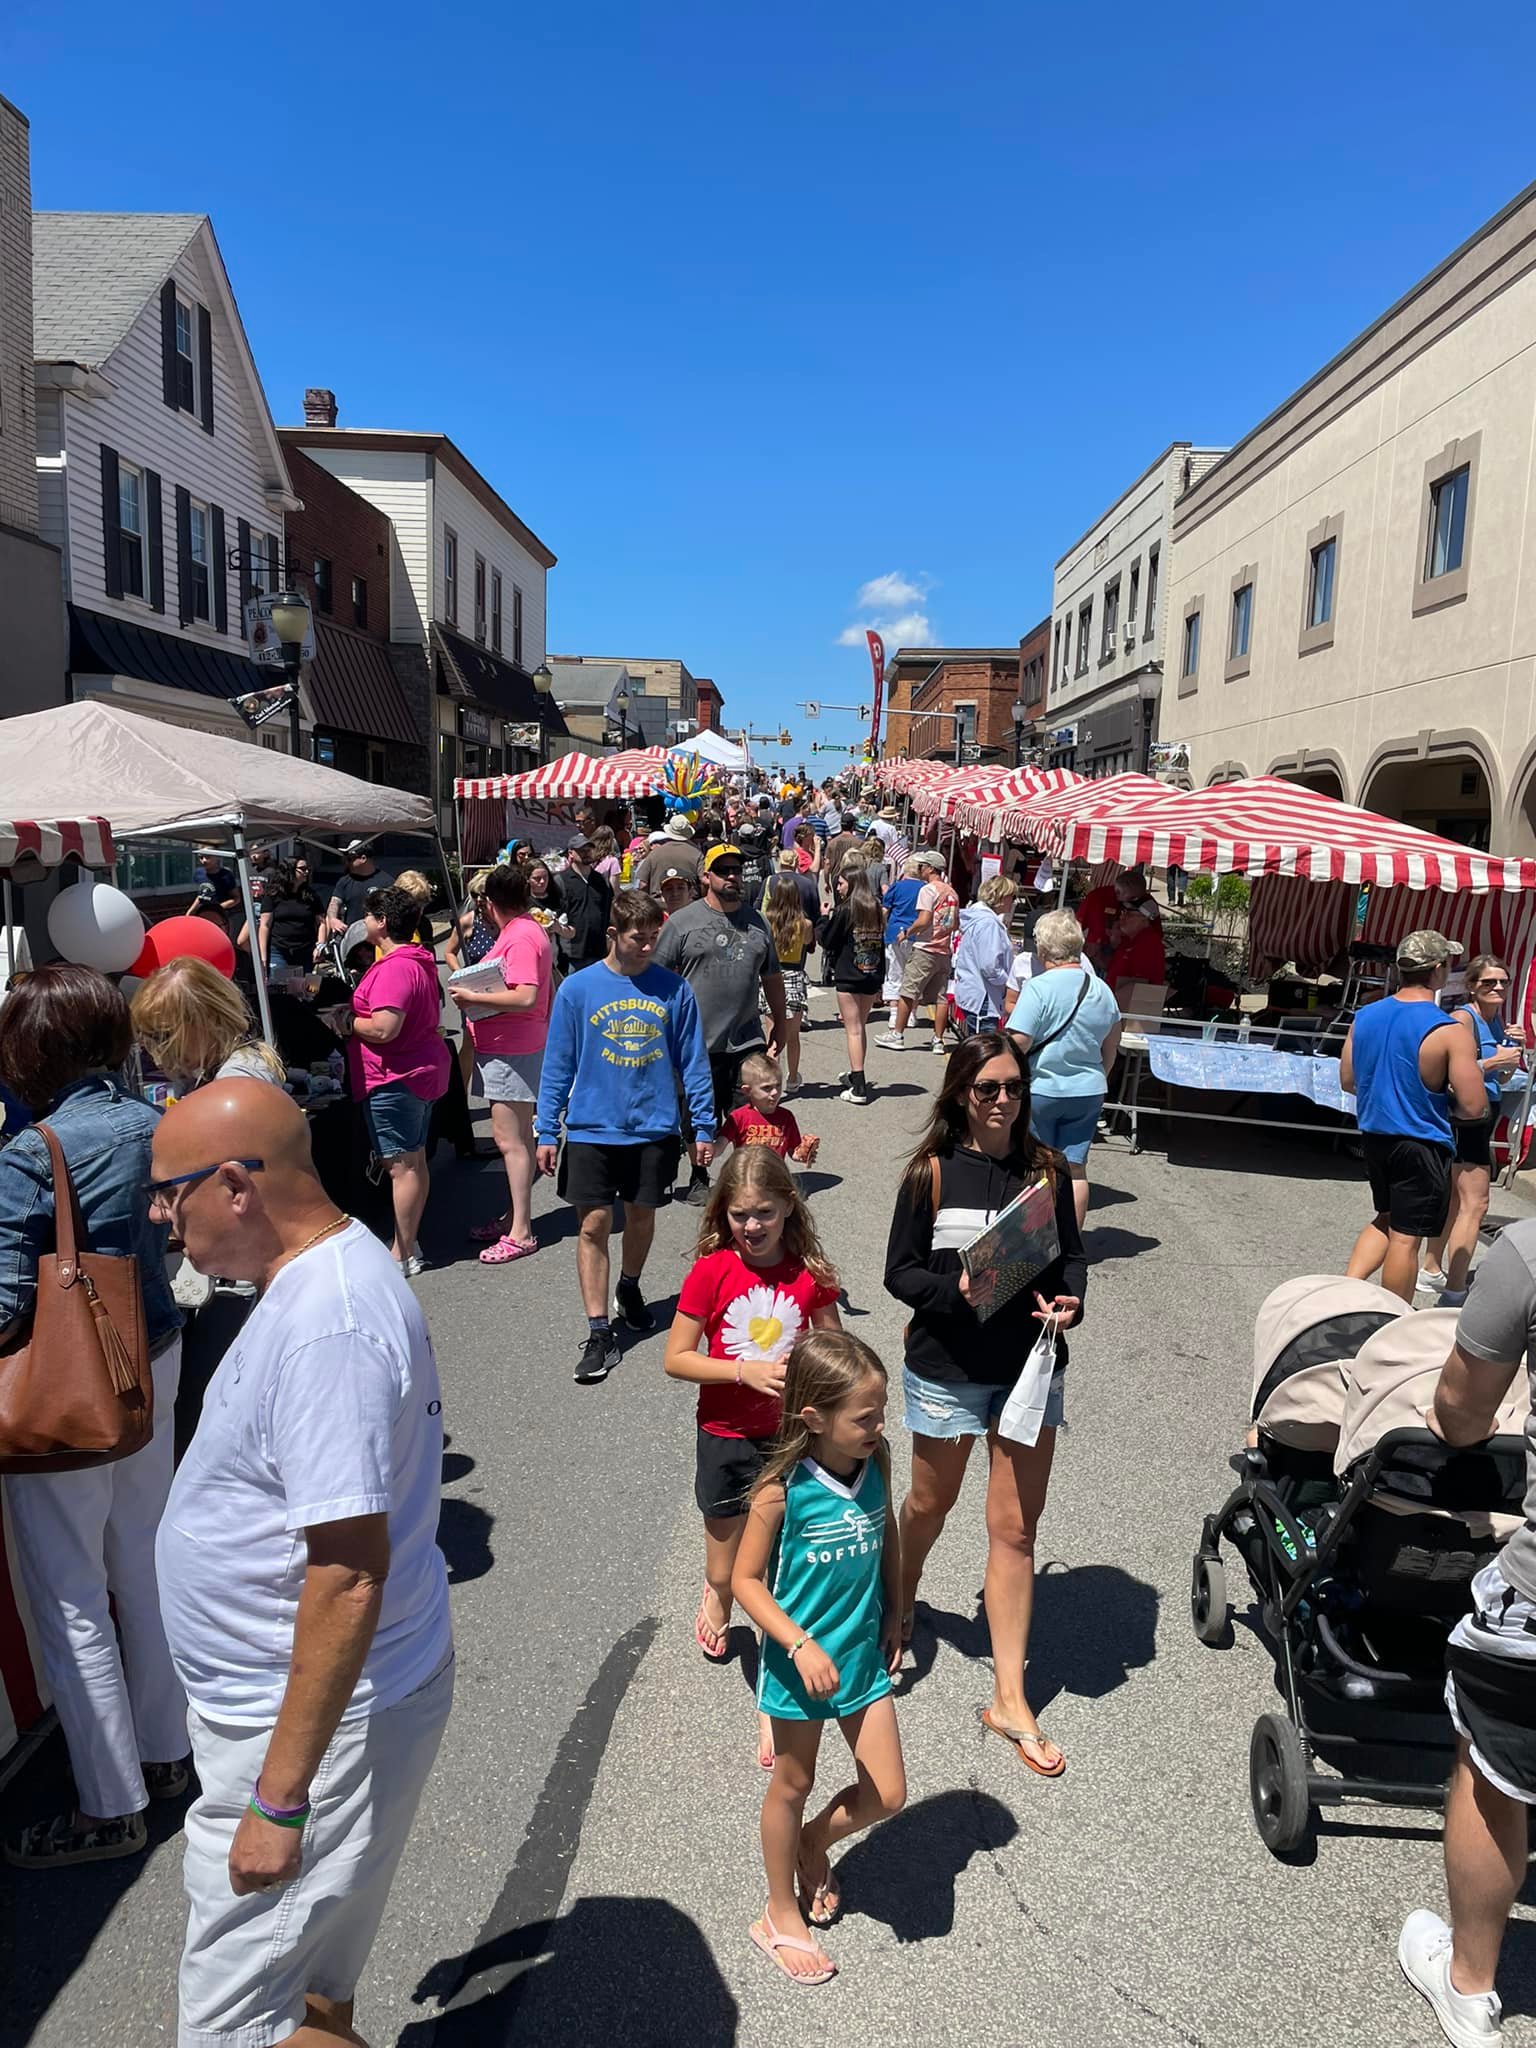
<point>697,1196</point>
<point>630,1306</point>
<point>599,1355</point>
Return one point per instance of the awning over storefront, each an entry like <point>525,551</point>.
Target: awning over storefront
<point>473,675</point>
<point>353,688</point>
<point>103,646</point>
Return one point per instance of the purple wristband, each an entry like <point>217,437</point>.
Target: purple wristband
<point>278,1813</point>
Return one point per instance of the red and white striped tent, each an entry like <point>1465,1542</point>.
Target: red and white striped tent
<point>938,796</point>
<point>985,813</point>
<point>617,777</point>
<point>48,843</point>
<point>903,775</point>
<point>1039,818</point>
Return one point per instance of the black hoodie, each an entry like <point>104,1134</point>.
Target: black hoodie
<point>946,1340</point>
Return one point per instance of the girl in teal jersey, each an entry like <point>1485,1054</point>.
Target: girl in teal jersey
<point>819,1572</point>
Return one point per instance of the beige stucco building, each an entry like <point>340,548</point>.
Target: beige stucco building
<point>1352,601</point>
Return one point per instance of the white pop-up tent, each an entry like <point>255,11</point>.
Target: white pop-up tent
<point>167,782</point>
<point>713,746</point>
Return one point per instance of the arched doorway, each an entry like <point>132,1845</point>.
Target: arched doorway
<point>1313,768</point>
<point>1447,794</point>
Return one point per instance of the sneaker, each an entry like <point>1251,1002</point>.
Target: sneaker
<point>599,1355</point>
<point>861,1096</point>
<point>937,1045</point>
<point>697,1196</point>
<point>893,1041</point>
<point>413,1266</point>
<point>165,1781</point>
<point>1454,1297</point>
<point>53,1844</point>
<point>791,1088</point>
<point>630,1306</point>
<point>1429,1281</point>
<point>1424,1951</point>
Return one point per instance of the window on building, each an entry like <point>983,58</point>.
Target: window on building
<point>130,525</point>
<point>1111,619</point>
<point>1056,654</point>
<point>1242,621</point>
<point>1066,648</point>
<point>198,525</point>
<point>1191,660</point>
<point>325,586</point>
<point>359,600</point>
<point>325,749</point>
<point>1320,583</point>
<point>496,610</point>
<point>965,731</point>
<point>1135,593</point>
<point>1084,627</point>
<point>517,625</point>
<point>450,576</point>
<point>264,564</point>
<point>1447,523</point>
<point>186,357</point>
<point>480,599</point>
<point>375,762</point>
<point>1153,557</point>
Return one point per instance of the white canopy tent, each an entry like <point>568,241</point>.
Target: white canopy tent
<point>167,782</point>
<point>713,746</point>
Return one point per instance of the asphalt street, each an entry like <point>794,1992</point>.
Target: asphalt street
<point>585,1866</point>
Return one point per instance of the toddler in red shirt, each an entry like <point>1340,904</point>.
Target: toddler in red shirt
<point>760,1121</point>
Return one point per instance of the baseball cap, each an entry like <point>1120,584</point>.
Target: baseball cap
<point>1427,949</point>
<point>580,844</point>
<point>927,858</point>
<point>675,875</point>
<point>716,854</point>
<point>353,848</point>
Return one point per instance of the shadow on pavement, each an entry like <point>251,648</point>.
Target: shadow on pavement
<point>630,1970</point>
<point>1094,1624</point>
<point>1102,1197</point>
<point>1109,1243</point>
<point>1516,1979</point>
<point>904,1874</point>
<point>464,1537</point>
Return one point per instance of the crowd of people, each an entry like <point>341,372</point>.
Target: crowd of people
<point>630,1003</point>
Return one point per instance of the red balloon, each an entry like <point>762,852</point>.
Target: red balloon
<point>180,938</point>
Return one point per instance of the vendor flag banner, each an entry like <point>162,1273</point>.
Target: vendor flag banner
<point>877,663</point>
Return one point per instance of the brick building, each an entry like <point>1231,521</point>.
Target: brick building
<point>931,687</point>
<point>1034,680</point>
<point>338,552</point>
<point>711,700</point>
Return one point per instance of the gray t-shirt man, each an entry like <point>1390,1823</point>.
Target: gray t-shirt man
<point>724,959</point>
<point>1498,1326</point>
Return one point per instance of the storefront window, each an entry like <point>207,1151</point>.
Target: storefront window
<point>147,865</point>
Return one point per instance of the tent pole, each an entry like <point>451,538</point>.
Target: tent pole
<point>1061,894</point>
<point>263,1002</point>
<point>10,933</point>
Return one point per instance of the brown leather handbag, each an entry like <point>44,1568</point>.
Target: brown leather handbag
<point>76,1389</point>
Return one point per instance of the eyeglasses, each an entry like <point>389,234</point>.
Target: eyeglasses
<point>1494,981</point>
<point>160,1191</point>
<point>988,1091</point>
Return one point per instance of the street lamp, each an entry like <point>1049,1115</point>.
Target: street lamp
<point>621,705</point>
<point>1020,717</point>
<point>543,683</point>
<point>291,624</point>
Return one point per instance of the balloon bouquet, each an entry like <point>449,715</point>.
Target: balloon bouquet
<point>686,786</point>
<point>95,925</point>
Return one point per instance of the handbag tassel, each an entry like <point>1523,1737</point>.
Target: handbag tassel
<point>113,1350</point>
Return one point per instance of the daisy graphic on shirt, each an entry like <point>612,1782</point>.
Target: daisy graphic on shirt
<point>763,1324</point>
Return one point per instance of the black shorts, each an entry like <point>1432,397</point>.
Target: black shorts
<point>1474,1142</point>
<point>592,1176</point>
<point>1410,1182</point>
<point>725,1471</point>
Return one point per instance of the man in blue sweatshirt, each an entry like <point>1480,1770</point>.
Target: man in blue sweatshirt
<point>623,1034</point>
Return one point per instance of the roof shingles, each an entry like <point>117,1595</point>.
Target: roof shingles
<point>93,273</point>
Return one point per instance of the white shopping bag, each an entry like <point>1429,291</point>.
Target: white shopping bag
<point>1024,1411</point>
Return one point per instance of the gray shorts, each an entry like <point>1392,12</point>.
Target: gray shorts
<point>509,1076</point>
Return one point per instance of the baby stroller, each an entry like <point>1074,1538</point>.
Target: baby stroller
<point>1361,1559</point>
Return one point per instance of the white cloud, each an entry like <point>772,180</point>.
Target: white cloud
<point>881,601</point>
<point>882,592</point>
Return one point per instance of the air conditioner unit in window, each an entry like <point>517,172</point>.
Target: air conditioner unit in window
<point>1130,632</point>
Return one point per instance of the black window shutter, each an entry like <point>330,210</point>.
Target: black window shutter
<point>111,513</point>
<point>168,342</point>
<point>154,540</point>
<point>217,567</point>
<point>244,543</point>
<point>184,555</point>
<point>205,368</point>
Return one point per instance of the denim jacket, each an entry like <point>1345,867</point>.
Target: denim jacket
<point>106,1137</point>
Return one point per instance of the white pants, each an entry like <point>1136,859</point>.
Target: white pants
<point>81,1536</point>
<point>249,1960</point>
<point>896,958</point>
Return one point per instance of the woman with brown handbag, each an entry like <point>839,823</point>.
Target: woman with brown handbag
<point>86,1535</point>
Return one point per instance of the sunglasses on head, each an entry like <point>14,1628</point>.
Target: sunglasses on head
<point>988,1091</point>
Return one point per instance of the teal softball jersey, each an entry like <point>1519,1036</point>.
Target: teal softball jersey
<point>827,1580</point>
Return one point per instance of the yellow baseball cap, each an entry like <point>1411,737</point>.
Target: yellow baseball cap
<point>719,853</point>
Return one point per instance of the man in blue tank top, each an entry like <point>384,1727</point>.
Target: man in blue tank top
<point>1406,1069</point>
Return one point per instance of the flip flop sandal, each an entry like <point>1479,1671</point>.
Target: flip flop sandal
<point>767,1755</point>
<point>768,1938</point>
<point>506,1249</point>
<point>825,1899</point>
<point>1016,1744</point>
<point>486,1233</point>
<point>715,1656</point>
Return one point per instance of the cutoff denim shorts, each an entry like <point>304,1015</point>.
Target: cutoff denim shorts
<point>397,1120</point>
<point>947,1409</point>
<point>1067,1123</point>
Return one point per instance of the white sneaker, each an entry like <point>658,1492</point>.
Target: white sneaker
<point>1424,1951</point>
<point>1428,1282</point>
<point>860,1097</point>
<point>937,1045</point>
<point>893,1041</point>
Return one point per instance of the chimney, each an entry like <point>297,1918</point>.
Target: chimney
<point>319,408</point>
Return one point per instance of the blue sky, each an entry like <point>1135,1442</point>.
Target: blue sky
<point>747,309</point>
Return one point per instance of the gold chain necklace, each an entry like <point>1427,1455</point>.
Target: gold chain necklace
<point>340,1223</point>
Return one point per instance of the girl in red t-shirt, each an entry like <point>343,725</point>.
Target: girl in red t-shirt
<point>760,1277</point>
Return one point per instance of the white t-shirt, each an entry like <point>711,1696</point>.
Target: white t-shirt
<point>325,1407</point>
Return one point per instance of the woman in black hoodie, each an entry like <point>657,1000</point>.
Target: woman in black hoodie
<point>975,1157</point>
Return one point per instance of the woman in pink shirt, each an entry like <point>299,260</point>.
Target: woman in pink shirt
<point>509,1033</point>
<point>398,1059</point>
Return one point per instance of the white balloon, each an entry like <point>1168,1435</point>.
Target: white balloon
<point>95,925</point>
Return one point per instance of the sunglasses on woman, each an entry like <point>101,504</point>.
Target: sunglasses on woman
<point>1494,981</point>
<point>988,1091</point>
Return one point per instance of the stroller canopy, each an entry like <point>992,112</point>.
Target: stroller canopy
<point>1305,1333</point>
<point>1392,1382</point>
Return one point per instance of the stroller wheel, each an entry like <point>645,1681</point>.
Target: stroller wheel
<point>1277,1784</point>
<point>1208,1600</point>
